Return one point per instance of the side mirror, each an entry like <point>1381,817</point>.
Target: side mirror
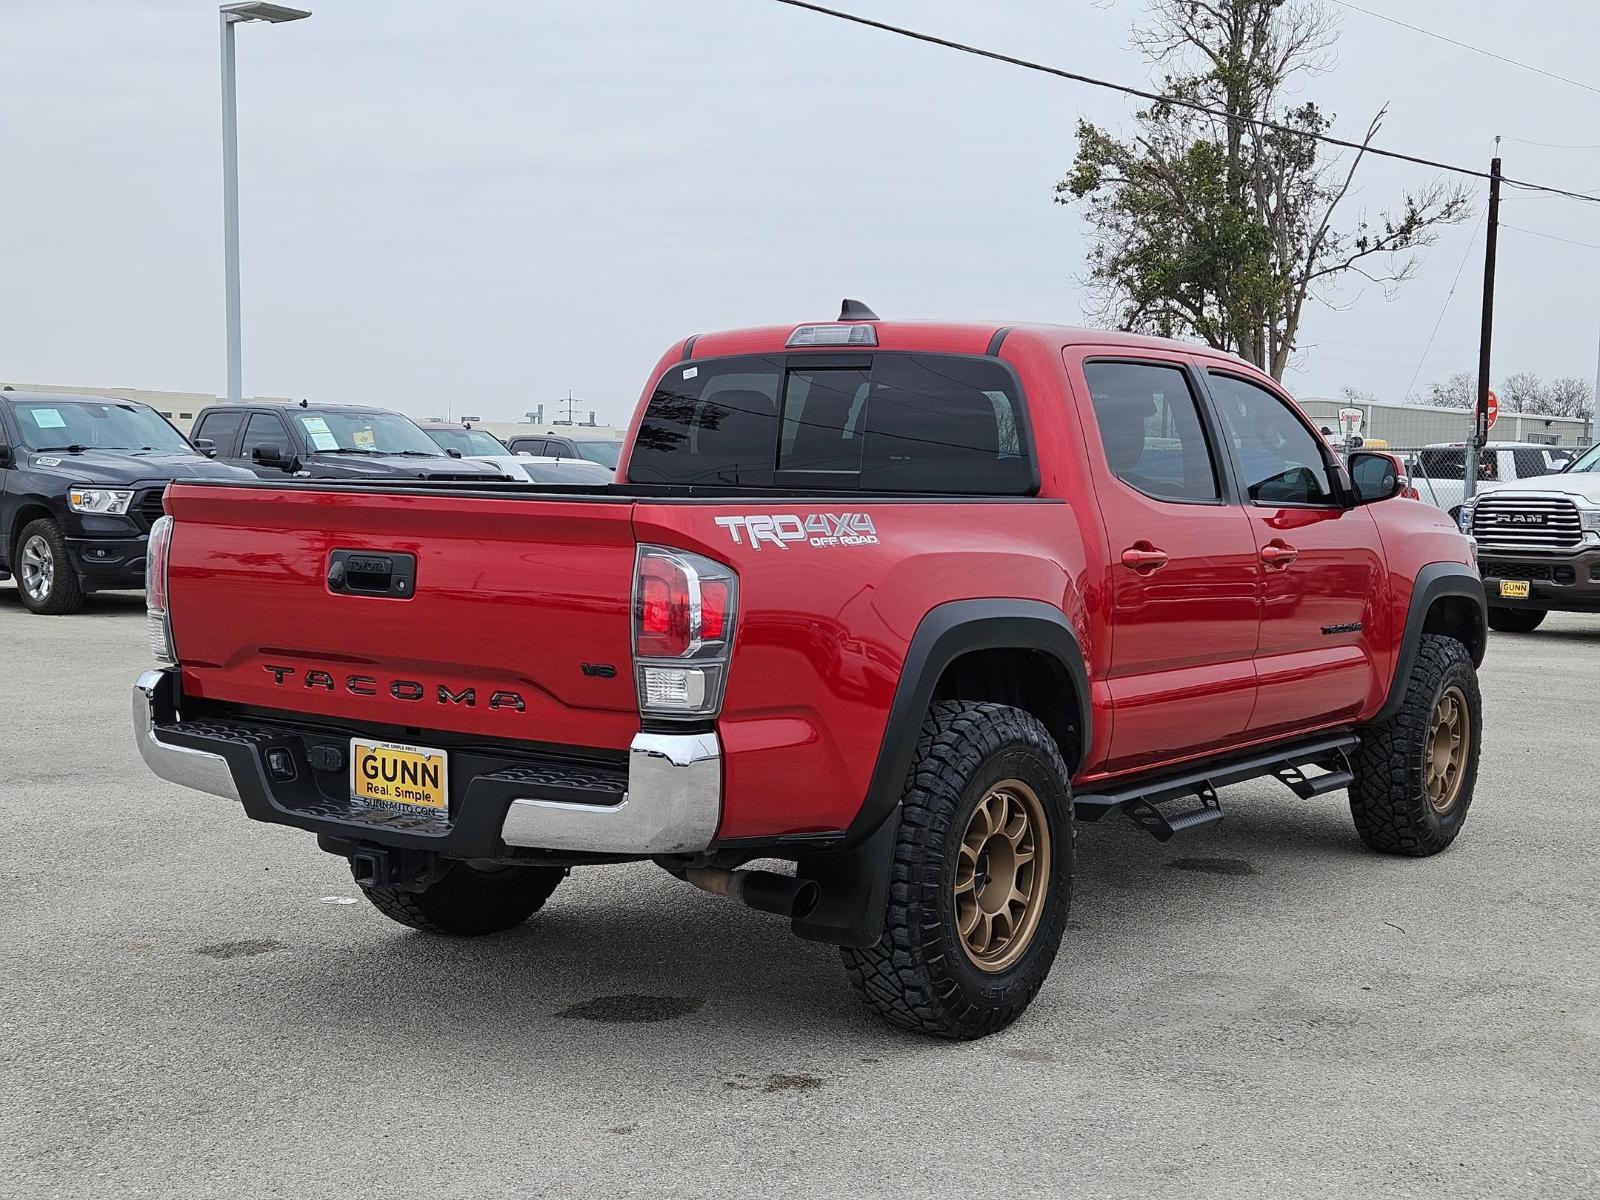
<point>270,456</point>
<point>205,446</point>
<point>453,452</point>
<point>1374,476</point>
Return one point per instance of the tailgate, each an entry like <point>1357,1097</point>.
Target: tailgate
<point>516,625</point>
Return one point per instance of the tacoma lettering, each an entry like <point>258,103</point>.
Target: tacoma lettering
<point>409,690</point>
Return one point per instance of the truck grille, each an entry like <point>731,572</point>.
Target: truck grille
<point>1542,571</point>
<point>146,508</point>
<point>1527,523</point>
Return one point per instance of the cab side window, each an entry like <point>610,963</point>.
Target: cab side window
<point>264,429</point>
<point>1150,428</point>
<point>1281,458</point>
<point>220,428</point>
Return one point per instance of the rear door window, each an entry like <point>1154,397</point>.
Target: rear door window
<point>1533,463</point>
<point>1442,464</point>
<point>1150,430</point>
<point>886,422</point>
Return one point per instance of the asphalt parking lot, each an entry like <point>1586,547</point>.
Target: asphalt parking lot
<point>195,1005</point>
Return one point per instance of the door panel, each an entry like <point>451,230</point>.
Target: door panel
<point>1316,659</point>
<point>1183,577</point>
<point>1322,565</point>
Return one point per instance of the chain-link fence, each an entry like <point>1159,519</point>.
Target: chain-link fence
<point>1415,426</point>
<point>1438,472</point>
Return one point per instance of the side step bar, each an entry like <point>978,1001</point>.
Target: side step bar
<point>1143,800</point>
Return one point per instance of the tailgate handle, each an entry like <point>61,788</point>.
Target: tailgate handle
<point>372,573</point>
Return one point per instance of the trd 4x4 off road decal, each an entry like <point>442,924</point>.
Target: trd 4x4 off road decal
<point>817,529</point>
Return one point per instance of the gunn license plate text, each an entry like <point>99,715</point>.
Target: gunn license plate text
<point>407,778</point>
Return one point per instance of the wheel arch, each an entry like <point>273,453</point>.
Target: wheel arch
<point>1023,653</point>
<point>1447,599</point>
<point>28,510</point>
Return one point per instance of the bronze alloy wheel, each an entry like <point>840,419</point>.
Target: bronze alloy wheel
<point>1449,740</point>
<point>1002,875</point>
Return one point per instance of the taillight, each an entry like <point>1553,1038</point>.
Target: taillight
<point>155,591</point>
<point>684,606</point>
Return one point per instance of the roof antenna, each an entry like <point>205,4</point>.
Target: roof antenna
<point>305,404</point>
<point>854,310</point>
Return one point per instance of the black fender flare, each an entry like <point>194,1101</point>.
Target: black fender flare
<point>855,877</point>
<point>1434,582</point>
<point>944,635</point>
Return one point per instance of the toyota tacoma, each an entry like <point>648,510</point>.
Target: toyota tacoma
<point>894,602</point>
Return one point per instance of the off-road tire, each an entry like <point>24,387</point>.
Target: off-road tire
<point>919,974</point>
<point>1516,620</point>
<point>66,592</point>
<point>468,902</point>
<point>1389,799</point>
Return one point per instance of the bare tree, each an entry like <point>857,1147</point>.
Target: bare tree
<point>1523,392</point>
<point>1222,226</point>
<point>1459,391</point>
<point>1569,396</point>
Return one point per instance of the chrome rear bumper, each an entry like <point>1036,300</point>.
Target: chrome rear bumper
<point>672,805</point>
<point>152,694</point>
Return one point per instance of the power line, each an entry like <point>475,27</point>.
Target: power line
<point>1450,295</point>
<point>1476,50</point>
<point>1550,145</point>
<point>1550,237</point>
<point>1174,101</point>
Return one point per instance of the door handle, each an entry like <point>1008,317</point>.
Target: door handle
<point>1144,558</point>
<point>1277,554</point>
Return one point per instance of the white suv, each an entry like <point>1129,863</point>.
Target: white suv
<point>1437,472</point>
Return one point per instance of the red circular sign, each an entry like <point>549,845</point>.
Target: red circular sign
<point>1494,408</point>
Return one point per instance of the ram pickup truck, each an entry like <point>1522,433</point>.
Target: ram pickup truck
<point>1539,544</point>
<point>895,602</point>
<point>81,479</point>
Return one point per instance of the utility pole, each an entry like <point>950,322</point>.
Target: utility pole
<point>1480,422</point>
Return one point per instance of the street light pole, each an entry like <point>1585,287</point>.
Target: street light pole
<point>230,208</point>
<point>230,15</point>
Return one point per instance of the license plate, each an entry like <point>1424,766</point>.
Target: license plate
<point>402,778</point>
<point>1514,589</point>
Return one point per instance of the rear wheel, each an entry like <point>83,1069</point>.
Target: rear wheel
<point>1516,620</point>
<point>469,901</point>
<point>1415,772</point>
<point>981,879</point>
<point>46,578</point>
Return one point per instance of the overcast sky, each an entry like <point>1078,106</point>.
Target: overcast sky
<point>491,203</point>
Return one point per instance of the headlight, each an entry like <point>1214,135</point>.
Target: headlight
<point>114,501</point>
<point>1466,518</point>
<point>1591,518</point>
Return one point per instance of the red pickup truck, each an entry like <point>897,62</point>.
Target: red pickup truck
<point>892,601</point>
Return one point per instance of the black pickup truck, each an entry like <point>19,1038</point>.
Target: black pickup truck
<point>329,441</point>
<point>81,480</point>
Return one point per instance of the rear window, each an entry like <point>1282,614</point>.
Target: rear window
<point>883,422</point>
